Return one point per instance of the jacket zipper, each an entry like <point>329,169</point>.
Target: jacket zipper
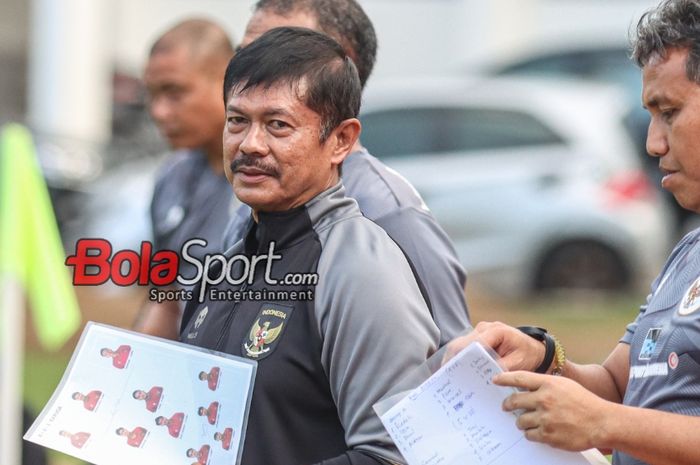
<point>229,320</point>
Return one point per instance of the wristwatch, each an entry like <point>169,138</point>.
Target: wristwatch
<point>559,358</point>
<point>553,350</point>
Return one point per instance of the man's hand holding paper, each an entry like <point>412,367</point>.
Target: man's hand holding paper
<point>555,410</point>
<point>456,416</point>
<point>516,350</point>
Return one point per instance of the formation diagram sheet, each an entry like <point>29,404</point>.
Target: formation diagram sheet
<point>129,398</point>
<point>455,417</point>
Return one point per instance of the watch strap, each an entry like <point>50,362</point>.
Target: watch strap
<point>541,335</point>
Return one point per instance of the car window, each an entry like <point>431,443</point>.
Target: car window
<point>605,65</point>
<point>608,65</point>
<point>411,131</point>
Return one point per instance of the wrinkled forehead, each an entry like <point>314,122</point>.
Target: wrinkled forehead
<point>664,76</point>
<point>288,88</point>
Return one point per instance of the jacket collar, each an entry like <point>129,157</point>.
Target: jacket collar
<point>288,227</point>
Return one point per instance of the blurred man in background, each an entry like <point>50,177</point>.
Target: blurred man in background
<point>192,198</point>
<point>384,196</point>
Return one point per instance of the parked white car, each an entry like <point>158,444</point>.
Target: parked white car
<point>536,181</point>
<point>608,63</point>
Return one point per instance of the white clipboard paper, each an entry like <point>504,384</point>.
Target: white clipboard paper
<point>455,417</point>
<point>130,398</point>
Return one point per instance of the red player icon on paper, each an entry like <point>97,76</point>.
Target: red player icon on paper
<point>78,440</point>
<point>90,400</point>
<point>152,398</point>
<point>120,357</point>
<point>134,438</point>
<point>225,438</point>
<point>202,455</point>
<point>212,377</point>
<point>212,412</point>
<point>174,423</point>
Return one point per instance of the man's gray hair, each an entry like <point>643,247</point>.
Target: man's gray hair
<point>672,24</point>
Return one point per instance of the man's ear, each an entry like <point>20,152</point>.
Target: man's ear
<point>343,138</point>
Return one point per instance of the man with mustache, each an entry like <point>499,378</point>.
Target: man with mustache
<point>356,321</point>
<point>192,198</point>
<point>383,195</point>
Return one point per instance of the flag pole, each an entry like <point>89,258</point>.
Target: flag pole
<point>31,268</point>
<point>11,361</point>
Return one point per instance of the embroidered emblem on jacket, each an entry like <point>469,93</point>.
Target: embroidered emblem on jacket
<point>691,299</point>
<point>266,330</point>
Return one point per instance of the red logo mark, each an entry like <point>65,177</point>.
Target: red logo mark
<point>94,264</point>
<point>673,360</point>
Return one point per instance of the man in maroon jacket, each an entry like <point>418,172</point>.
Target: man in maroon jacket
<point>202,455</point>
<point>78,440</point>
<point>133,438</point>
<point>225,438</point>
<point>212,413</point>
<point>120,357</point>
<point>212,377</point>
<point>174,423</point>
<point>90,400</point>
<point>152,397</point>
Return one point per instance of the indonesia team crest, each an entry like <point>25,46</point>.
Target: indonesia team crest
<point>691,299</point>
<point>266,331</point>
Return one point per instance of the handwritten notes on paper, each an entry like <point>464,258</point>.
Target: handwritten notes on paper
<point>455,417</point>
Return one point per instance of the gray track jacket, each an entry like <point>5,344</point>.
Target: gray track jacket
<point>323,362</point>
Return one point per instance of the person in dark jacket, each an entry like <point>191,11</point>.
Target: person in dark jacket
<point>338,316</point>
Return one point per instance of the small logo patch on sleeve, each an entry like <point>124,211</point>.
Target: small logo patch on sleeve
<point>266,331</point>
<point>649,345</point>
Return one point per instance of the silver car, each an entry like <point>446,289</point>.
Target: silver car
<point>536,181</point>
